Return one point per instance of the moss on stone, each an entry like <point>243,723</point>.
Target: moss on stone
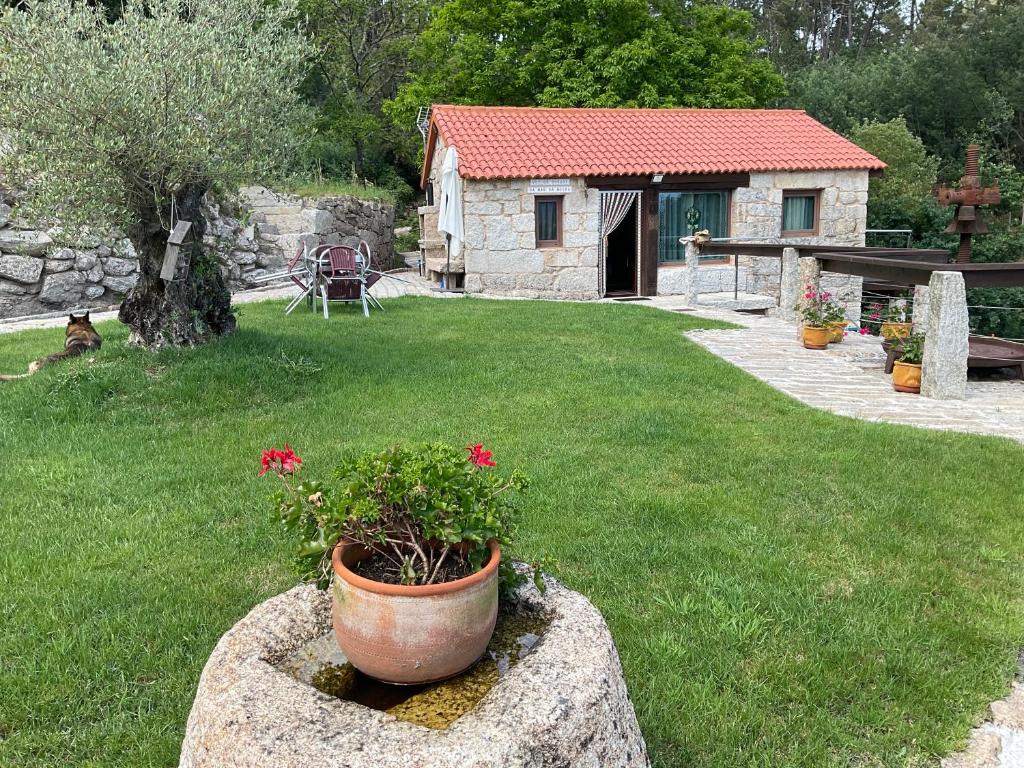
<point>440,704</point>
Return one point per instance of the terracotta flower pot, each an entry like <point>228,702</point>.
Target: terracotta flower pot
<point>896,330</point>
<point>412,634</point>
<point>906,377</point>
<point>836,332</point>
<point>815,338</point>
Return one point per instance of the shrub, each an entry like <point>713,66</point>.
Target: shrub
<point>819,308</point>
<point>417,509</point>
<point>913,349</point>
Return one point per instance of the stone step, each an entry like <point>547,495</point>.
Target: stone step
<point>278,210</point>
<point>259,197</point>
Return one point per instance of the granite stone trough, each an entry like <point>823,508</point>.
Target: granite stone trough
<point>564,703</point>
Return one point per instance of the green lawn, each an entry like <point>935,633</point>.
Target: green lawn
<point>785,587</point>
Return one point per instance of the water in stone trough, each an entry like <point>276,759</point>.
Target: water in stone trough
<point>434,705</point>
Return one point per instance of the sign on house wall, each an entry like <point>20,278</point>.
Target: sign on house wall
<point>549,187</point>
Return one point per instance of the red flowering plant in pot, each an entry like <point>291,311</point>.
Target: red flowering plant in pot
<point>410,542</point>
<point>818,311</point>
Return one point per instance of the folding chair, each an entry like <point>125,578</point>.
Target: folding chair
<point>301,271</point>
<point>340,277</point>
<point>370,275</point>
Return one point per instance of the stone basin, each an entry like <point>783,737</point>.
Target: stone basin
<point>564,703</point>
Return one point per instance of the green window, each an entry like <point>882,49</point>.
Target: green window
<point>680,214</point>
<point>799,213</point>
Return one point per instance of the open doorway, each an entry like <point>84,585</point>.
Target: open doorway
<point>621,255</point>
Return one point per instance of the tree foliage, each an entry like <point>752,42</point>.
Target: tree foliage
<point>110,119</point>
<point>117,120</point>
<point>799,33</point>
<point>363,48</point>
<point>597,53</point>
<point>902,197</point>
<point>955,78</point>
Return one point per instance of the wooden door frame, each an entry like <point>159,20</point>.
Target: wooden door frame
<point>602,265</point>
<point>648,278</point>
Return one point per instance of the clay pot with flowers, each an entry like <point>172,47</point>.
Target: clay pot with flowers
<point>835,318</point>
<point>906,370</point>
<point>813,311</point>
<point>410,542</point>
<point>896,320</point>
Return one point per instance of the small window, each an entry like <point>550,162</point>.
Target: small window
<point>430,193</point>
<point>800,212</point>
<point>548,215</point>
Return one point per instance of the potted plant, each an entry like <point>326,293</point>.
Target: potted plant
<point>409,540</point>
<point>815,333</point>
<point>906,370</point>
<point>896,323</point>
<point>835,318</point>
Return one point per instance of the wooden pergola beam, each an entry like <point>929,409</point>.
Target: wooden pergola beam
<point>907,272</point>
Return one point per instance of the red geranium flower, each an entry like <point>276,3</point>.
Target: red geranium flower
<point>266,460</point>
<point>282,462</point>
<point>479,457</point>
<point>289,461</point>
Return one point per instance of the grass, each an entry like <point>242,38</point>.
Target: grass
<point>786,587</point>
<point>329,188</point>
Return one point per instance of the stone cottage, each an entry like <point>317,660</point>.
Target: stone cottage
<point>588,203</point>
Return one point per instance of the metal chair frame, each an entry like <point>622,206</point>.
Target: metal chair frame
<point>311,271</point>
<point>338,265</point>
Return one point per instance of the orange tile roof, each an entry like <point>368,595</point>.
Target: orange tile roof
<point>532,142</point>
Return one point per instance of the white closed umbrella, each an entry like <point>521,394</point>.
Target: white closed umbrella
<point>449,219</point>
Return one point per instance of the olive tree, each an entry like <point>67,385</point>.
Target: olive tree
<point>127,123</point>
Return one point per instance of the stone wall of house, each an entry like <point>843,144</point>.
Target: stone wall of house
<point>501,256</point>
<point>757,215</point>
<point>757,212</point>
<point>432,247</point>
<point>38,275</point>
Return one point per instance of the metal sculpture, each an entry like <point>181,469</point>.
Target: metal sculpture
<point>966,198</point>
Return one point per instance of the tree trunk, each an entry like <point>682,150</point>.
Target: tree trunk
<point>193,307</point>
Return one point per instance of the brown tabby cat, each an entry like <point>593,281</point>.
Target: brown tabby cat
<point>81,337</point>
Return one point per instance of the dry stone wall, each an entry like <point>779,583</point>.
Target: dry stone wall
<point>285,221</point>
<point>39,275</point>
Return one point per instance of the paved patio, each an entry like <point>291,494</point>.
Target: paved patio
<point>848,378</point>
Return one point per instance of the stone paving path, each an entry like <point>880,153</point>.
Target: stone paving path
<point>999,741</point>
<point>848,378</point>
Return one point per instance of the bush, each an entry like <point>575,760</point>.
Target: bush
<point>1005,323</point>
<point>416,508</point>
